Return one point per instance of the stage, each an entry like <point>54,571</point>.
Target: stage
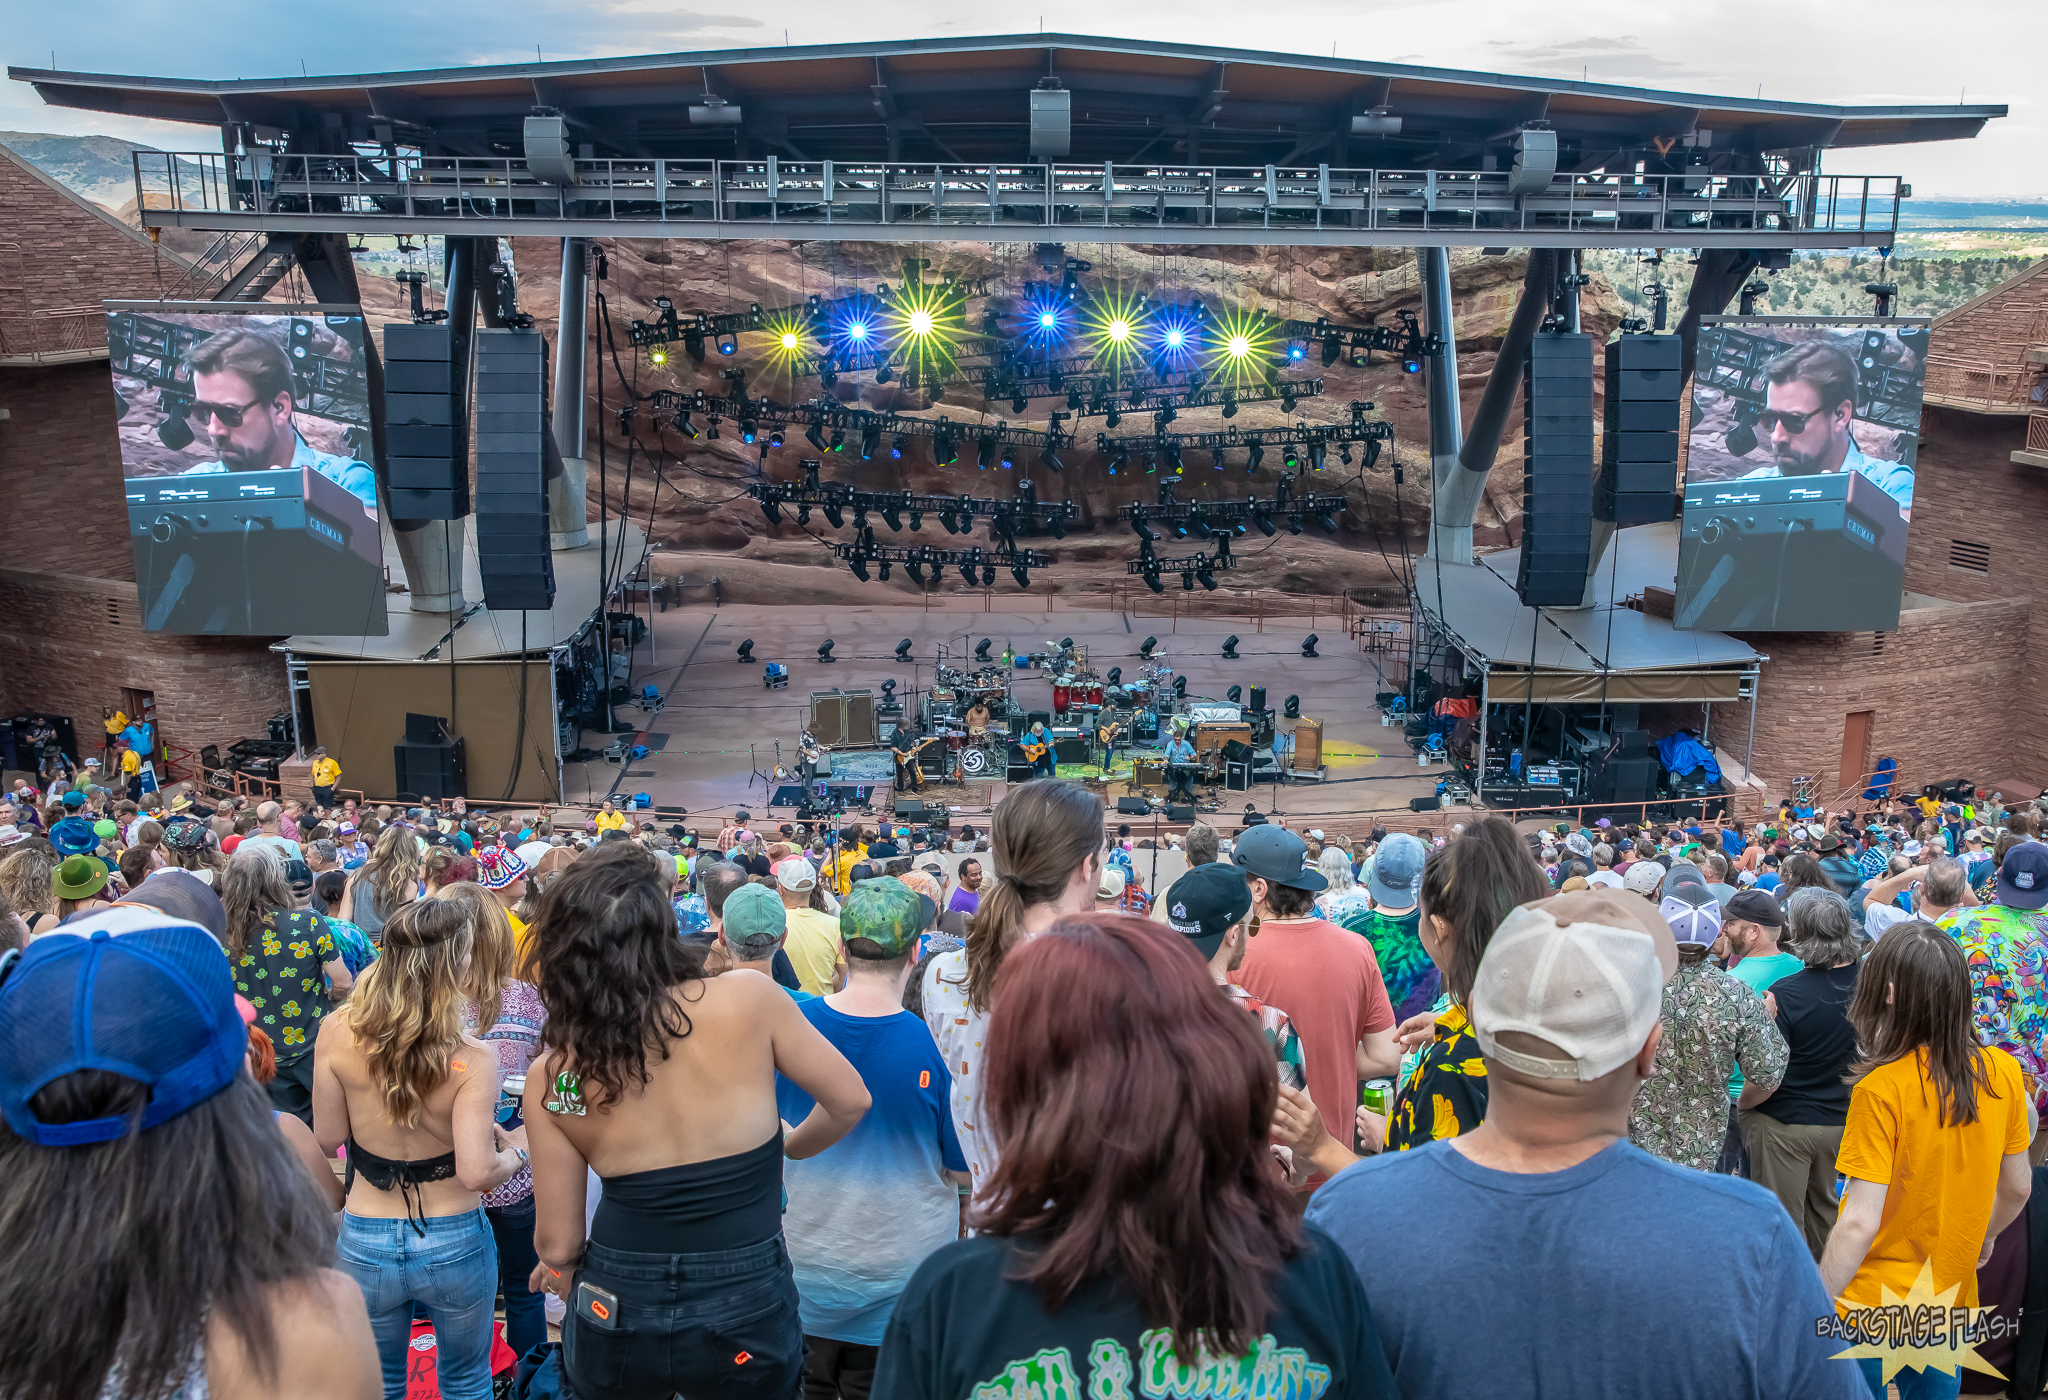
<point>721,724</point>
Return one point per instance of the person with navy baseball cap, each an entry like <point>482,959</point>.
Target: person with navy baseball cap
<point>138,1148</point>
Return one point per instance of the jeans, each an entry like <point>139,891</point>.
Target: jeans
<point>1930,1384</point>
<point>526,1322</point>
<point>453,1270</point>
<point>721,1324</point>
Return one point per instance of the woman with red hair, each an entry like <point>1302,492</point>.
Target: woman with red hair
<point>1134,1236</point>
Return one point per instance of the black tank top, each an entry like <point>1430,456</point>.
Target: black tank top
<point>725,1203</point>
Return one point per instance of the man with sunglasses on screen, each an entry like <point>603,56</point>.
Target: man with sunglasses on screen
<point>1808,405</point>
<point>242,390</point>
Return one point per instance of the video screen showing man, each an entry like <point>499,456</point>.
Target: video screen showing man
<point>245,447</point>
<point>1812,537</point>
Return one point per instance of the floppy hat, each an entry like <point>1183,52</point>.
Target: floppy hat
<point>79,877</point>
<point>497,868</point>
<point>1397,871</point>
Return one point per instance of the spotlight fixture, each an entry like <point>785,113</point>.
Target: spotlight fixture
<point>1294,524</point>
<point>775,436</point>
<point>1180,686</point>
<point>988,575</point>
<point>1328,521</point>
<point>1009,458</point>
<point>747,651</point>
<point>838,439</point>
<point>788,340</point>
<point>1344,454</point>
<point>728,344</point>
<point>1332,347</point>
<point>175,432</point>
<point>883,374</point>
<point>657,356</point>
<point>1289,457</point>
<point>825,651</point>
<point>1235,695</point>
<point>985,453</point>
<point>859,565</point>
<point>1116,675</point>
<point>899,447</point>
<point>749,430</point>
<point>814,437</point>
<point>967,575</point>
<point>1187,580</point>
<point>772,511</point>
<point>1263,518</point>
<point>1111,418</point>
<point>870,443</point>
<point>1020,403</point>
<point>903,650</point>
<point>1145,647</point>
<point>916,571</point>
<point>981,648</point>
<point>1230,651</point>
<point>885,571</point>
<point>1255,456</point>
<point>1308,645</point>
<point>1022,575</point>
<point>1230,405</point>
<point>1316,452</point>
<point>834,514</point>
<point>1207,578</point>
<point>1119,460</point>
<point>888,691</point>
<point>1050,458</point>
<point>1152,581</point>
<point>1291,707</point>
<point>684,426</point>
<point>892,516</point>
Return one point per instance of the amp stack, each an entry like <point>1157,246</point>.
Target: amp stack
<point>1557,471</point>
<point>426,430</point>
<point>511,496</point>
<point>1639,449</point>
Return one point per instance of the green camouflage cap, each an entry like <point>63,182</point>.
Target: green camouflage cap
<point>884,911</point>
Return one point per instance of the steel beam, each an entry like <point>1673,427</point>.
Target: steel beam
<point>1448,542</point>
<point>568,494</point>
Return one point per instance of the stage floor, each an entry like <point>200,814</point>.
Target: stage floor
<point>721,724</point>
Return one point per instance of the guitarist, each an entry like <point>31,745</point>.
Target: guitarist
<point>905,745</point>
<point>1107,734</point>
<point>1038,749</point>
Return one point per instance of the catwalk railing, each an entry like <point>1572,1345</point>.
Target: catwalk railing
<point>54,336</point>
<point>941,199</point>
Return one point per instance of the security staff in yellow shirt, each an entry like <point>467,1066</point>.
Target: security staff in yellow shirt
<point>326,774</point>
<point>611,818</point>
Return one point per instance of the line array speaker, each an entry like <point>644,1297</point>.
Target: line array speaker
<point>1639,448</point>
<point>426,433</point>
<point>1557,471</point>
<point>511,497</point>
<point>431,770</point>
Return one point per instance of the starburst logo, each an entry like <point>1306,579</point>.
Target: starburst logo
<point>1924,1330</point>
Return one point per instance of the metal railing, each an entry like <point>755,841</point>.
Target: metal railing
<point>942,195</point>
<point>212,269</point>
<point>2009,386</point>
<point>53,336</point>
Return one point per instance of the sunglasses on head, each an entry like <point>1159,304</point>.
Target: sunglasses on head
<point>229,414</point>
<point>1794,423</point>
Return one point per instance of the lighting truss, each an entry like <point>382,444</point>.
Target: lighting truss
<point>819,313</point>
<point>1307,436</point>
<point>956,514</point>
<point>915,559</point>
<point>1198,394</point>
<point>854,423</point>
<point>1207,518</point>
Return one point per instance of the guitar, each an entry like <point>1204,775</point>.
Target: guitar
<point>1034,752</point>
<point>1107,734</point>
<point>904,757</point>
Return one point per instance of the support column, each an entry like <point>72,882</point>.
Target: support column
<point>1447,544</point>
<point>568,494</point>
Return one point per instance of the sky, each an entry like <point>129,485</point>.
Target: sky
<point>1876,51</point>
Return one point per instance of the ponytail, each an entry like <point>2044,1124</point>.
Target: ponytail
<point>1472,884</point>
<point>1041,835</point>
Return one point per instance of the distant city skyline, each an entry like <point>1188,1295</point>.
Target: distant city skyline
<point>1881,51</point>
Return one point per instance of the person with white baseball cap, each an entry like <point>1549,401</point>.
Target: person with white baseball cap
<point>813,940</point>
<point>1546,1222</point>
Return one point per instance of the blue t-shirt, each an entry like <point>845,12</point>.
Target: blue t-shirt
<point>1624,1276</point>
<point>865,1212</point>
<point>1768,880</point>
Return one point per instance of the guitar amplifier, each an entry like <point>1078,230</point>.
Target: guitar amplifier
<point>1211,737</point>
<point>1148,773</point>
<point>1822,553</point>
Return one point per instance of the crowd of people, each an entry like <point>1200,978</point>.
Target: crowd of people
<point>1696,1108</point>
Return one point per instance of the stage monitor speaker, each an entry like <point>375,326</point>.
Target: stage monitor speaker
<point>1237,775</point>
<point>1018,773</point>
<point>788,795</point>
<point>1557,471</point>
<point>1180,814</point>
<point>1639,447</point>
<point>426,430</point>
<point>1431,803</point>
<point>860,718</point>
<point>431,770</point>
<point>1074,750</point>
<point>1308,745</point>
<point>1633,743</point>
<point>910,810</point>
<point>1132,807</point>
<point>829,717</point>
<point>425,729</point>
<point>512,553</point>
<point>1258,698</point>
<point>1237,752</point>
<point>1627,780</point>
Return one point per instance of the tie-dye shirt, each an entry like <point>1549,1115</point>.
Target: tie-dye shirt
<point>2007,952</point>
<point>1413,981</point>
<point>865,1212</point>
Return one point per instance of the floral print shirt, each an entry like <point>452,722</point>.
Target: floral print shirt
<point>1713,1023</point>
<point>282,978</point>
<point>960,1030</point>
<point>2007,951</point>
<point>515,1039</point>
<point>1279,1033</point>
<point>1444,1095</point>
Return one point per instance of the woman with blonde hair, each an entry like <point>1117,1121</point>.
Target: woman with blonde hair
<point>412,1096</point>
<point>389,879</point>
<point>1342,897</point>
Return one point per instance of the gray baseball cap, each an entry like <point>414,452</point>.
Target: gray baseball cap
<point>1397,871</point>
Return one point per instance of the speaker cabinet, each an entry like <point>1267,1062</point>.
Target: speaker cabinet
<point>1639,447</point>
<point>860,718</point>
<point>1180,814</point>
<point>1557,471</point>
<point>431,770</point>
<point>1237,775</point>
<point>1132,807</point>
<point>511,495</point>
<point>828,717</point>
<point>426,426</point>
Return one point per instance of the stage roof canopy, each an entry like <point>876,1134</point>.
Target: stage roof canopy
<point>1581,655</point>
<point>965,99</point>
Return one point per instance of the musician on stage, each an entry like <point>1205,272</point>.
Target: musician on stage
<point>977,721</point>
<point>242,387</point>
<point>1107,733</point>
<point>1044,765</point>
<point>1180,768</point>
<point>904,745</point>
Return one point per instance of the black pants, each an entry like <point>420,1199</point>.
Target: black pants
<point>1045,766</point>
<point>324,797</point>
<point>718,1324</point>
<point>909,777</point>
<point>838,1370</point>
<point>526,1314</point>
<point>1182,784</point>
<point>292,1091</point>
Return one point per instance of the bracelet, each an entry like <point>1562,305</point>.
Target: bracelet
<point>524,1160</point>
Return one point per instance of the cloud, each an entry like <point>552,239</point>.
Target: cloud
<point>1604,58</point>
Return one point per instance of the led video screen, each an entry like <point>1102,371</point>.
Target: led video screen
<point>247,465</point>
<point>1799,474</point>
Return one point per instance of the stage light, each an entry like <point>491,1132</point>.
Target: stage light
<point>835,515</point>
<point>1145,647</point>
<point>1332,347</point>
<point>1187,580</point>
<point>1327,520</point>
<point>988,575</point>
<point>1152,581</point>
<point>1118,330</point>
<point>693,344</point>
<point>857,332</point>
<point>1287,400</point>
<point>883,374</point>
<point>1230,405</point>
<point>1291,708</point>
<point>728,344</point>
<point>1180,686</point>
<point>860,571</point>
<point>945,448</point>
<point>1173,458</point>
<point>814,437</point>
<point>981,648</point>
<point>1235,695</point>
<point>1255,456</point>
<point>1050,458</point>
<point>1238,346</point>
<point>1175,337</point>
<point>1296,350</point>
<point>1290,457</point>
<point>1294,524</point>
<point>1206,578</point>
<point>1058,525</point>
<point>1263,518</point>
<point>1009,457</point>
<point>175,432</point>
<point>919,322</point>
<point>711,432</point>
<point>772,511</point>
<point>1119,460</point>
<point>892,517</point>
<point>1021,574</point>
<point>1344,453</point>
<point>747,651</point>
<point>658,356</point>
<point>903,650</point>
<point>1316,453</point>
<point>916,520</point>
<point>1308,645</point>
<point>1371,451</point>
<point>967,575</point>
<point>1229,645</point>
<point>685,426</point>
<point>1116,675</point>
<point>1112,418</point>
<point>825,651</point>
<point>985,453</point>
<point>1019,403</point>
<point>1411,364</point>
<point>1048,320</point>
<point>838,439</point>
<point>870,443</point>
<point>896,448</point>
<point>749,430</point>
<point>803,515</point>
<point>775,436</point>
<point>946,519</point>
<point>915,570</point>
<point>788,340</point>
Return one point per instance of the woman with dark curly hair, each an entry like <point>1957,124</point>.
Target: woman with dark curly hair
<point>1134,1237</point>
<point>662,1081</point>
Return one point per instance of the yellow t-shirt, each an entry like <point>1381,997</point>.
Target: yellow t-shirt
<point>1939,1181</point>
<point>610,821</point>
<point>326,772</point>
<point>813,948</point>
<point>521,939</point>
<point>115,725</point>
<point>131,761</point>
<point>842,868</point>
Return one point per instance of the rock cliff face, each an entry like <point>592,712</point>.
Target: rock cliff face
<point>703,524</point>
